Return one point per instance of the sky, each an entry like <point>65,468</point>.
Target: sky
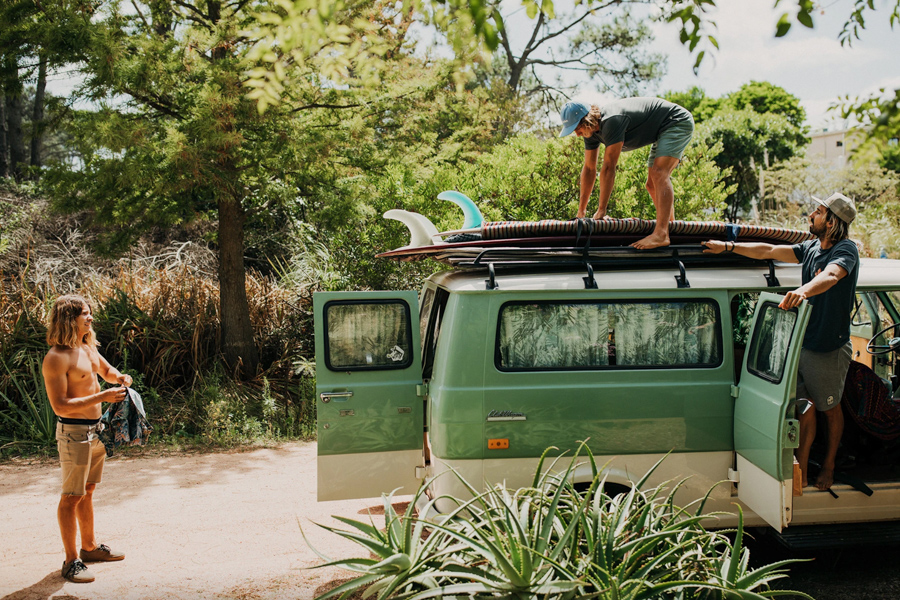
<point>810,64</point>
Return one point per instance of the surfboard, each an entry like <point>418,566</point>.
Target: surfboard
<point>552,235</point>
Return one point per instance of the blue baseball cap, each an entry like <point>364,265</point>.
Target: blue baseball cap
<point>571,115</point>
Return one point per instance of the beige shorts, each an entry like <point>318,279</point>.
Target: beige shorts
<point>81,455</point>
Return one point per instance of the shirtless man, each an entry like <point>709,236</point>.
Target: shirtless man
<point>70,372</point>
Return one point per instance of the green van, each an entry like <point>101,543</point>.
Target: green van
<point>649,354</point>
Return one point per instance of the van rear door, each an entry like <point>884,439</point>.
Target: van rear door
<point>370,417</point>
<point>765,430</point>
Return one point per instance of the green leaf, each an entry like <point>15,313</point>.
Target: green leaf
<point>783,26</point>
<point>805,19</point>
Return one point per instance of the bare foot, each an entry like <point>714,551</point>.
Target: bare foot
<point>654,240</point>
<point>825,479</point>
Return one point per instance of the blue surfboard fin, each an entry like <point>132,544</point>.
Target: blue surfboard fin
<point>473,216</point>
<point>422,231</point>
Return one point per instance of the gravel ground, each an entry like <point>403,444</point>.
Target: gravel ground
<point>223,525</point>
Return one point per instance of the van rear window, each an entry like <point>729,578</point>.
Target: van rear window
<point>368,335</point>
<point>540,336</point>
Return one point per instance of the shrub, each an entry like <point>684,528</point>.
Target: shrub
<point>552,541</point>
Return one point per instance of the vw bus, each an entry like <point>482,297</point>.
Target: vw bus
<point>643,354</point>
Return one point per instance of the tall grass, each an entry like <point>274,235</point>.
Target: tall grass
<point>161,324</point>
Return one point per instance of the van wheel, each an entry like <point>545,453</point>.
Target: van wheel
<point>610,489</point>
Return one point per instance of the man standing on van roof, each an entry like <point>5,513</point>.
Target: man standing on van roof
<point>830,271</point>
<point>625,125</point>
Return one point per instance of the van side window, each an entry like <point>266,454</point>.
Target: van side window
<point>594,335</point>
<point>367,335</point>
<point>432,331</point>
<point>771,338</point>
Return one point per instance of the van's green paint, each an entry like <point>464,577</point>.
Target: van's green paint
<point>621,411</point>
<point>761,408</point>
<point>380,420</point>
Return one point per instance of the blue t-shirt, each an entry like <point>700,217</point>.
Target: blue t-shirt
<point>829,321</point>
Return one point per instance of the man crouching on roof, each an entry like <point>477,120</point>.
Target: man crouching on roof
<point>830,270</point>
<point>70,372</point>
<point>625,125</point>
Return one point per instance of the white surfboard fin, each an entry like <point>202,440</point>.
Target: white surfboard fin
<point>422,231</point>
<point>473,218</point>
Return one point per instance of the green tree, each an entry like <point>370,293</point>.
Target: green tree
<point>890,157</point>
<point>696,101</point>
<point>879,113</point>
<point>34,38</point>
<point>750,142</point>
<point>607,45</point>
<point>764,97</point>
<point>178,139</point>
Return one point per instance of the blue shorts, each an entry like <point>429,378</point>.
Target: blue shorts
<point>672,141</point>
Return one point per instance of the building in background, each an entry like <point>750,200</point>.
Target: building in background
<point>833,146</point>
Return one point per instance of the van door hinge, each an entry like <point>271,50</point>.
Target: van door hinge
<point>734,476</point>
<point>735,391</point>
<point>422,390</point>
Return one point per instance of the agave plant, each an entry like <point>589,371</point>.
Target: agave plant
<point>408,561</point>
<point>738,582</point>
<point>551,540</point>
<point>516,544</point>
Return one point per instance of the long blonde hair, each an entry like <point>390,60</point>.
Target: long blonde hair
<point>61,329</point>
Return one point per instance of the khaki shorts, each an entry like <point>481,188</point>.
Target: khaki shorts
<point>81,455</point>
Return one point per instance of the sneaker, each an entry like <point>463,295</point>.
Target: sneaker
<point>77,572</point>
<point>101,553</point>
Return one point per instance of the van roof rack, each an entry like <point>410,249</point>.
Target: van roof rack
<point>606,259</point>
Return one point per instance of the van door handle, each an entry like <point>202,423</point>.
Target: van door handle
<point>328,396</point>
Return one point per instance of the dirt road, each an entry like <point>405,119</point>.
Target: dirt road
<point>191,526</point>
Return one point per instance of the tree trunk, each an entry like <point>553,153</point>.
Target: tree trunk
<point>14,136</point>
<point>238,347</point>
<point>37,116</point>
<point>4,145</point>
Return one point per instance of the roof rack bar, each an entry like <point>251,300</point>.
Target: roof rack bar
<point>771,279</point>
<point>491,283</point>
<point>589,282</point>
<point>681,278</point>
